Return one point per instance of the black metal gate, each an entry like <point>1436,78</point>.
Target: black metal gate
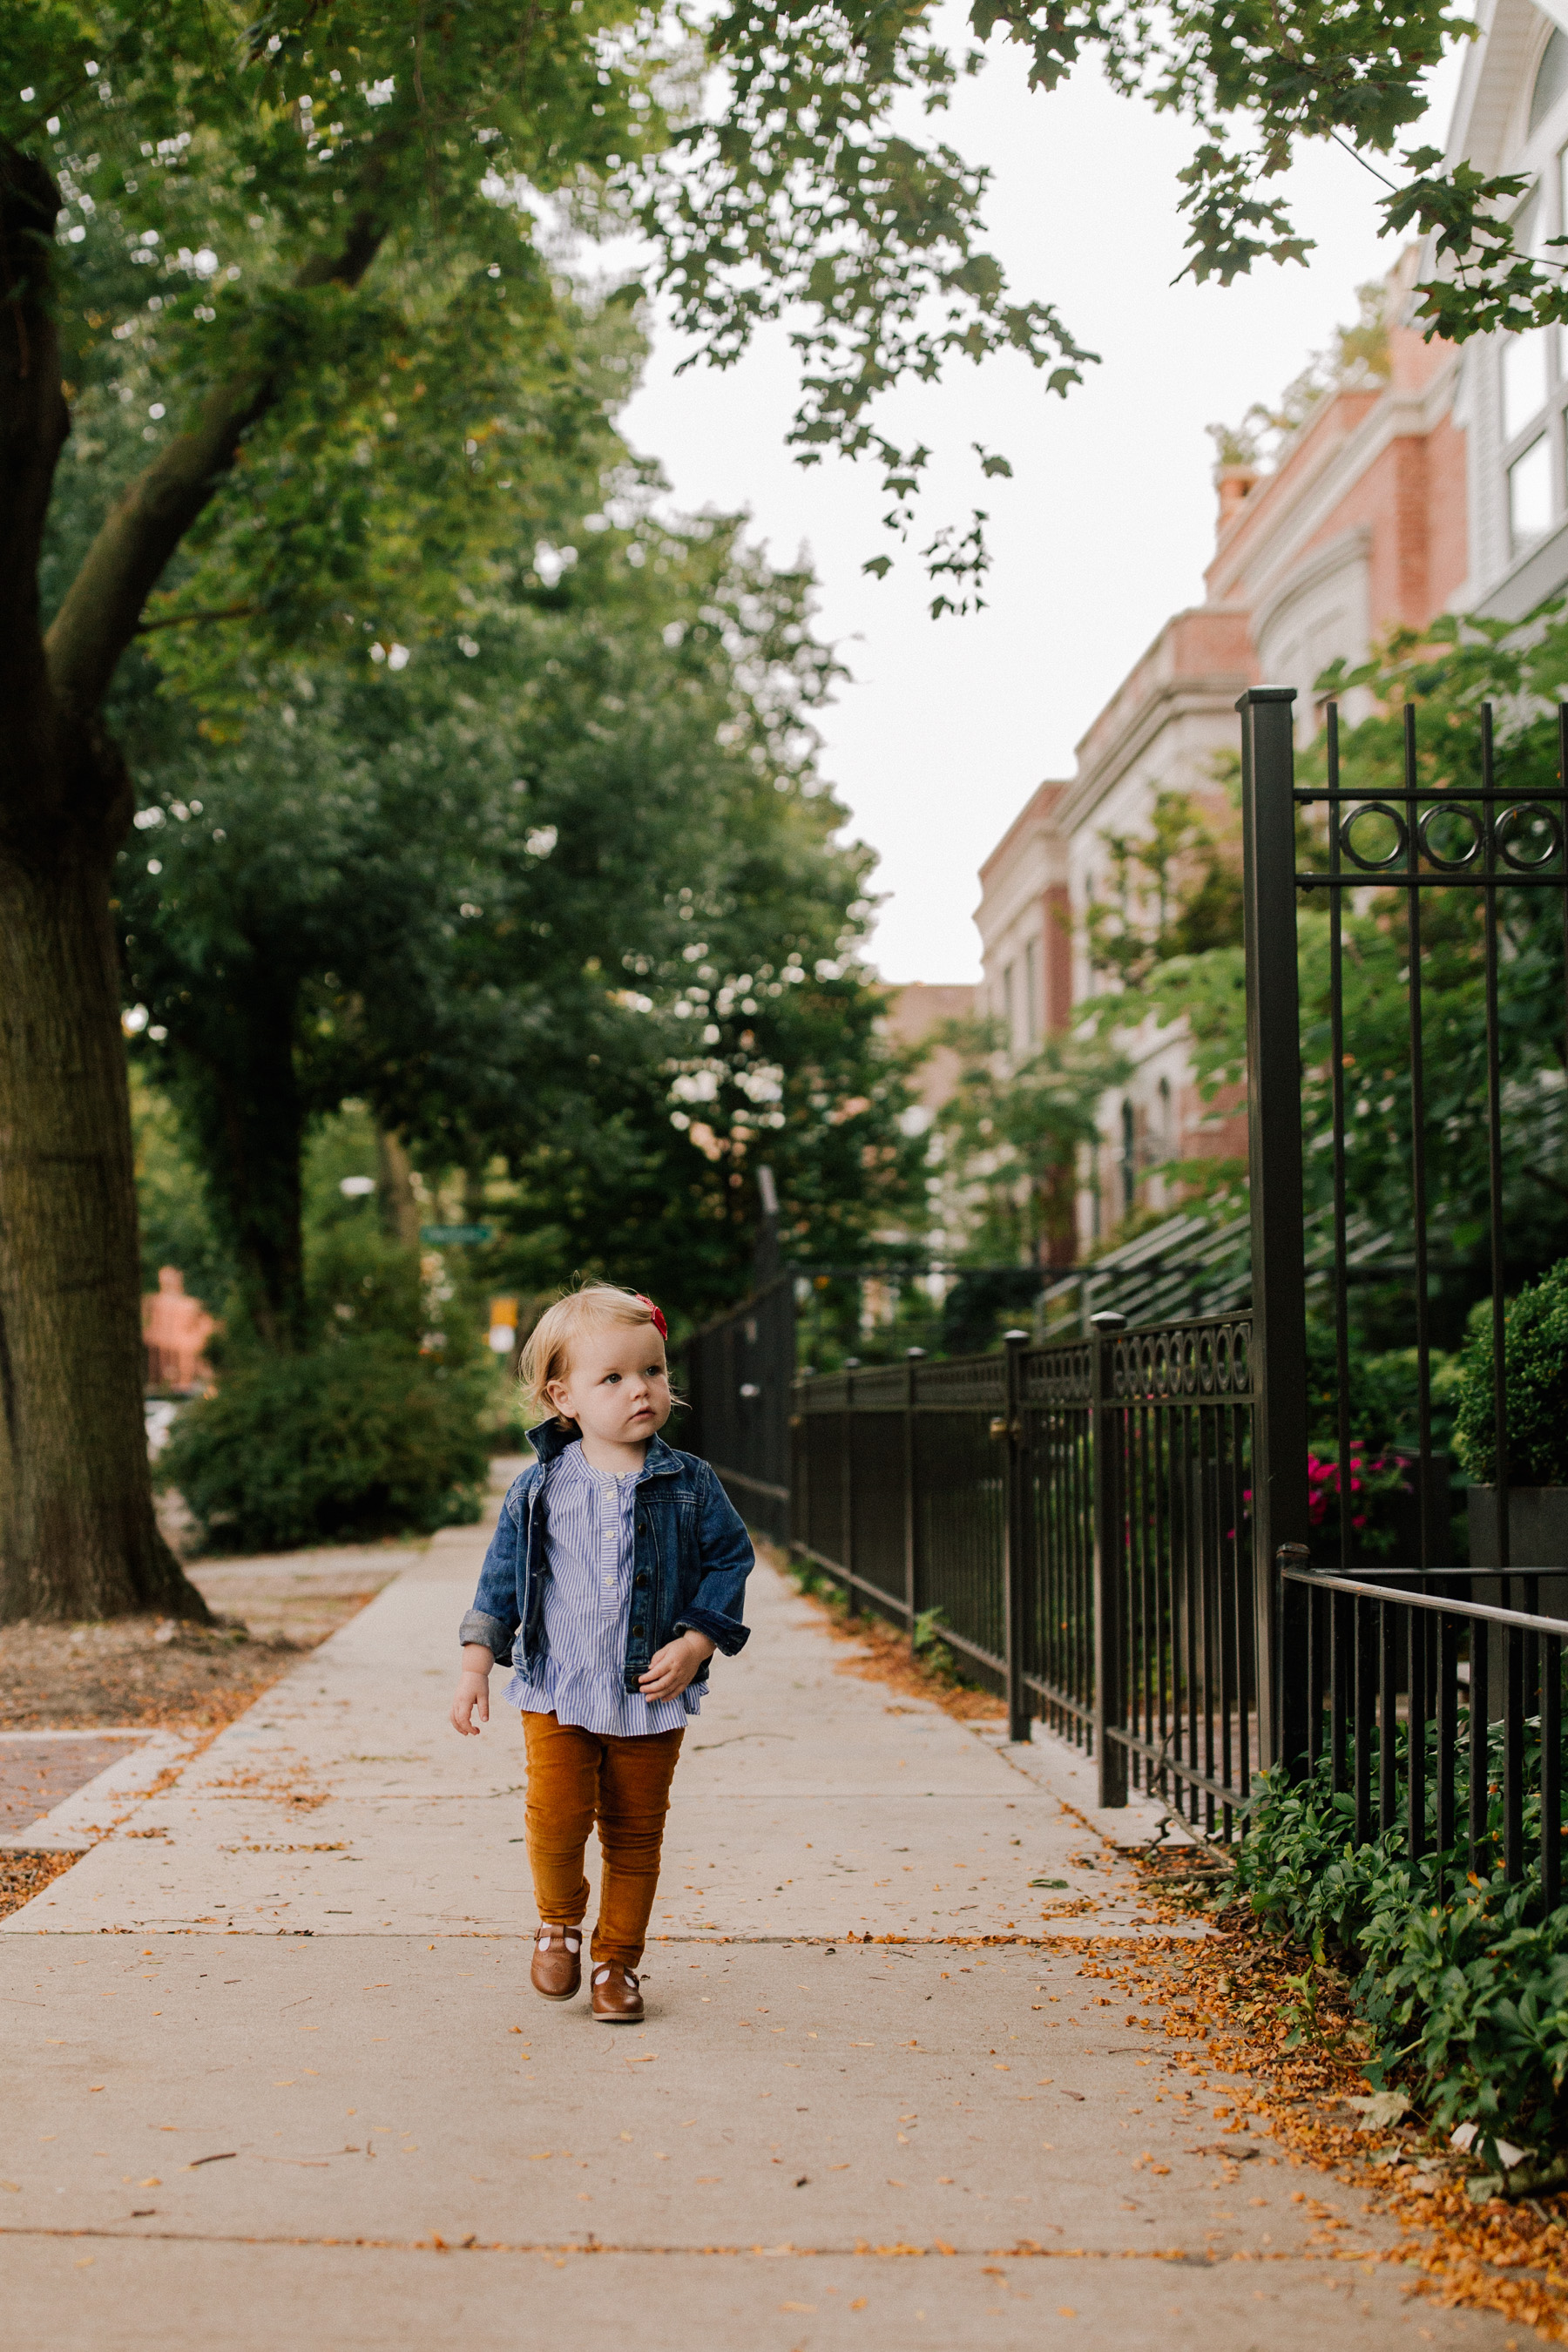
<point>739,1372</point>
<point>1423,1683</point>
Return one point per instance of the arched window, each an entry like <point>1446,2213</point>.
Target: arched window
<point>1550,80</point>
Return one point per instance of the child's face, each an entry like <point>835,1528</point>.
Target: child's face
<point>617,1388</point>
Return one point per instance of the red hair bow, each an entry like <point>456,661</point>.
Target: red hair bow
<point>660,1324</point>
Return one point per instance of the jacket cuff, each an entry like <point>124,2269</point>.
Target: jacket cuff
<point>727,1634</point>
<point>490,1633</point>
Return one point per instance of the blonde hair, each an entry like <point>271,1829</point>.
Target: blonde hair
<point>547,1352</point>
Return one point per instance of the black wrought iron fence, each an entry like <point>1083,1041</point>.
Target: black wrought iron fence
<point>1177,1680</point>
<point>1074,1521</point>
<point>739,1370</point>
<point>900,1492</point>
<point>1431,1697</point>
<point>1443,1719</point>
<point>1115,1529</point>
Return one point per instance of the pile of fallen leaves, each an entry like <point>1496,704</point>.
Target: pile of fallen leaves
<point>886,1656</point>
<point>1254,2004</point>
<point>23,1876</point>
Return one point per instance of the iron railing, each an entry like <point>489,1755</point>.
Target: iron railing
<point>738,1375</point>
<point>1114,1528</point>
<point>1074,1521</point>
<point>1394,1674</point>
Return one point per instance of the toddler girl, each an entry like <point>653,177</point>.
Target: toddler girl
<point>617,1569</point>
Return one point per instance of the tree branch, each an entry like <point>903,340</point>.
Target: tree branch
<point>102,610</point>
<point>189,620</point>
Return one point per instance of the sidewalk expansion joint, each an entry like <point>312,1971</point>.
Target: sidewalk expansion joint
<point>1025,2250</point>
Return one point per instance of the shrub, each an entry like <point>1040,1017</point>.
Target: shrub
<point>1535,1369</point>
<point>1464,1981</point>
<point>360,1436</point>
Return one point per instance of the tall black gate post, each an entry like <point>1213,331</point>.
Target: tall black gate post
<point>1279,1511</point>
<point>1017,1550</point>
<point>1109,1567</point>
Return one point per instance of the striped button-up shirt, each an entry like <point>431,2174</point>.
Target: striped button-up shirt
<point>589,1550</point>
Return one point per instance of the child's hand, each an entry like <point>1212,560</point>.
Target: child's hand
<point>473,1697</point>
<point>670,1669</point>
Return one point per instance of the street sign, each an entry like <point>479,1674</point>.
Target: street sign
<point>455,1236</point>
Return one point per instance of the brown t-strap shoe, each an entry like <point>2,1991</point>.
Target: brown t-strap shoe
<point>617,2001</point>
<point>557,1970</point>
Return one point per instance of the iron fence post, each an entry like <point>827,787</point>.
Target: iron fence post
<point>1280,1512</point>
<point>846,1484</point>
<point>1015,1540</point>
<point>1110,1645</point>
<point>799,1471</point>
<point>913,1358</point>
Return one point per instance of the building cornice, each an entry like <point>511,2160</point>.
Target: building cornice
<point>1037,810</point>
<point>1256,521</point>
<point>1210,696</point>
<point>1306,494</point>
<point>1038,861</point>
<point>1346,548</point>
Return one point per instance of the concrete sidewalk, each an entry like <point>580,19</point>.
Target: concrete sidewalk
<point>276,2070</point>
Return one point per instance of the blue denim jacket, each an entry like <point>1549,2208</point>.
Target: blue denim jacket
<point>690,1560</point>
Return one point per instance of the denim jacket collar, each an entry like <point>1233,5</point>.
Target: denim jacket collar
<point>551,1438</point>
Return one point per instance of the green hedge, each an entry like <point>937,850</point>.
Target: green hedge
<point>362,1436</point>
<point>1464,1982</point>
<point>1535,1369</point>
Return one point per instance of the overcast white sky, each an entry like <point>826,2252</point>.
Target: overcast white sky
<point>1106,524</point>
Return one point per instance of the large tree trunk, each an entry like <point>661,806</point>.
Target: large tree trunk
<point>246,1113</point>
<point>78,1536</point>
<point>76,1530</point>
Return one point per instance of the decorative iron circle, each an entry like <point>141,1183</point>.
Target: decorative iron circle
<point>1204,1365</point>
<point>1507,825</point>
<point>1446,813</point>
<point>1161,1375</point>
<point>1221,1376</point>
<point>1146,1368</point>
<point>1189,1364</point>
<point>1401,836</point>
<point>1119,1371</point>
<point>1240,1356</point>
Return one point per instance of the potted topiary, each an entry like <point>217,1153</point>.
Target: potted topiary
<point>1535,1376</point>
